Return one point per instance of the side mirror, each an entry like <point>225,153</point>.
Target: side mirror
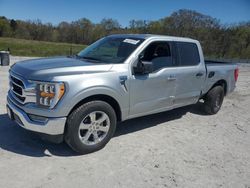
<point>143,67</point>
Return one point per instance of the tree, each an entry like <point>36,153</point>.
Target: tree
<point>226,41</point>
<point>139,26</point>
<point>64,32</point>
<point>5,29</point>
<point>13,25</point>
<point>109,25</point>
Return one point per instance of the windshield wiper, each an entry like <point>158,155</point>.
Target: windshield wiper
<point>89,58</point>
<point>84,57</point>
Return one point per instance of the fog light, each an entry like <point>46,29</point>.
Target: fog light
<point>37,118</point>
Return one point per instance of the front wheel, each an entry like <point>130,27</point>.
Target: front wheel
<point>213,100</point>
<point>90,127</point>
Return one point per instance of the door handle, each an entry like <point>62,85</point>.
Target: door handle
<point>171,78</point>
<point>199,74</point>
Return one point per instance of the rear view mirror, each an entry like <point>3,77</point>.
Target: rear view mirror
<point>143,67</point>
<point>147,67</point>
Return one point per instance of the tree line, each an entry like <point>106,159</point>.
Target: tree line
<point>218,40</point>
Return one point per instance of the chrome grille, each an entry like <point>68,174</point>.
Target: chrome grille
<point>17,81</point>
<point>17,87</point>
<point>22,90</point>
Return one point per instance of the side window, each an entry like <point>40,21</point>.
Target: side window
<point>188,54</point>
<point>159,53</point>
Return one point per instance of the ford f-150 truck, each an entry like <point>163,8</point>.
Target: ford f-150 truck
<point>81,98</point>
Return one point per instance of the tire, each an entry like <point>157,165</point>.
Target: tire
<point>213,100</point>
<point>82,127</point>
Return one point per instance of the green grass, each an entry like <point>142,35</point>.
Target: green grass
<point>22,47</point>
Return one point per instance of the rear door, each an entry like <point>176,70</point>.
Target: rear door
<point>190,73</point>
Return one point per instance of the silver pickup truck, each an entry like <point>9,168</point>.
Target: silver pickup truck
<point>81,98</point>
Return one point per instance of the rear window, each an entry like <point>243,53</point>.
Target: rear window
<point>188,53</point>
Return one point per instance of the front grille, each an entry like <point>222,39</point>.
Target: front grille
<point>17,87</point>
<point>19,82</point>
<point>20,98</point>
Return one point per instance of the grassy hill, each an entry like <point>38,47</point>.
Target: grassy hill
<point>21,47</point>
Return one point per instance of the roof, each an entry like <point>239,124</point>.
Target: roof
<point>140,36</point>
<point>147,36</point>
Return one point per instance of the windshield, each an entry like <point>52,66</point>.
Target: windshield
<point>110,49</point>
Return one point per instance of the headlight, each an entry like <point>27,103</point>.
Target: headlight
<point>48,94</point>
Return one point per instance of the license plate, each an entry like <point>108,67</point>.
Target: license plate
<point>10,113</point>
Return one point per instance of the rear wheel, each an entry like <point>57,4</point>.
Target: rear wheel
<point>90,127</point>
<point>213,100</point>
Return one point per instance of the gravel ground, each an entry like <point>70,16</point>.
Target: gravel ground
<point>179,148</point>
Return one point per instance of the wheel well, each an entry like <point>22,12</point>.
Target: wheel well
<point>222,83</point>
<point>110,100</point>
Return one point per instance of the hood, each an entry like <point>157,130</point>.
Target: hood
<point>47,68</point>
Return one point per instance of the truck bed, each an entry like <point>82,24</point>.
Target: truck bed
<point>220,71</point>
<point>213,62</point>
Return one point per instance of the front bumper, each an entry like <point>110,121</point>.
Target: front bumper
<point>50,126</point>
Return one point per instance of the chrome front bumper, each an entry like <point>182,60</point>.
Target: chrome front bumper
<point>50,126</point>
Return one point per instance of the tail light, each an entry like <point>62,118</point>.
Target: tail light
<point>236,74</point>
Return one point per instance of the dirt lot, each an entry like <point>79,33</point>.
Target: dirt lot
<point>180,148</point>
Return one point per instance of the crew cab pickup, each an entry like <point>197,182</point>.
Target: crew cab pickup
<point>81,98</point>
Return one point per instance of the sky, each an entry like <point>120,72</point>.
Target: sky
<point>55,11</point>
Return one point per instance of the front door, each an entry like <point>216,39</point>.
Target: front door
<point>153,92</point>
